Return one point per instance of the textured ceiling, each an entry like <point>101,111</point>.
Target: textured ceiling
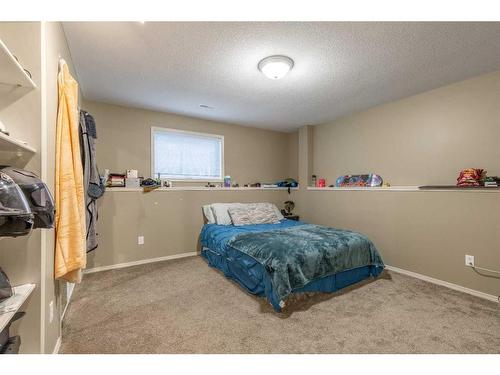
<point>339,67</point>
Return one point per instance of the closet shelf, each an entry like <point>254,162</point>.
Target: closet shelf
<point>11,72</point>
<point>11,305</point>
<point>11,144</point>
<point>13,151</point>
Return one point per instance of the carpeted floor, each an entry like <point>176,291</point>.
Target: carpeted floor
<point>183,306</point>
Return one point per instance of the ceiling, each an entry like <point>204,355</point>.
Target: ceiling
<point>340,67</point>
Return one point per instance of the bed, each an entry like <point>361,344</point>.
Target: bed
<point>276,260</point>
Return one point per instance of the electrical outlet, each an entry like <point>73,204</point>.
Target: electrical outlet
<point>51,311</point>
<point>469,260</point>
<point>140,240</point>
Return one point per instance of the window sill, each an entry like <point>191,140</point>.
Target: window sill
<point>198,188</point>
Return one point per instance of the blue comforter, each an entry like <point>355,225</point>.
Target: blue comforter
<point>293,254</point>
<point>298,255</point>
<point>216,237</point>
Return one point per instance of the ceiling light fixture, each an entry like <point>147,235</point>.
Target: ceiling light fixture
<point>275,67</point>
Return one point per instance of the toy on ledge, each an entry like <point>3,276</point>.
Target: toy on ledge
<point>470,177</point>
<point>359,180</point>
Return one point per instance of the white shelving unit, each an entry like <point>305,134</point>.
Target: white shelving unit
<point>14,83</point>
<point>11,72</point>
<point>11,305</point>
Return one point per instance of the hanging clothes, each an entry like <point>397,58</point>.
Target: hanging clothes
<point>70,254</point>
<point>94,188</point>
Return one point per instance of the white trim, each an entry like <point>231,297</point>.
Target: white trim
<point>403,188</point>
<point>139,262</point>
<point>446,284</point>
<point>206,135</point>
<point>70,287</point>
<point>198,188</point>
<point>64,312</point>
<point>43,175</point>
<point>57,346</point>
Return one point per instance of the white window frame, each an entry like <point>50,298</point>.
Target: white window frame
<point>155,129</point>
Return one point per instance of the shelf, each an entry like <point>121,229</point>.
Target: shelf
<point>12,151</point>
<point>358,188</point>
<point>407,189</point>
<point>14,81</point>
<point>11,72</point>
<point>197,188</point>
<point>11,305</point>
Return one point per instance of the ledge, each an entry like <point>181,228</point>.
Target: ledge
<point>14,151</point>
<point>197,188</point>
<point>12,304</point>
<point>405,189</point>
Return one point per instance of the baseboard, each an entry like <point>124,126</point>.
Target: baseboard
<point>429,279</point>
<point>57,346</point>
<point>446,284</point>
<point>139,262</point>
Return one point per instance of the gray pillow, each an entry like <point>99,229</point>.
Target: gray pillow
<point>239,216</point>
<point>253,213</point>
<point>262,214</point>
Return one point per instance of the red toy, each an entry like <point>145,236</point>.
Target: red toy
<point>470,177</point>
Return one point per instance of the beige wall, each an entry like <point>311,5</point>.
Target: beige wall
<point>293,155</point>
<point>424,232</point>
<point>171,221</point>
<point>124,142</point>
<point>304,151</point>
<point>424,139</point>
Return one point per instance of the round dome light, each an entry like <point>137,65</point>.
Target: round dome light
<point>275,67</point>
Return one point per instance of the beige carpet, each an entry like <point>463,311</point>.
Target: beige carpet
<point>183,306</point>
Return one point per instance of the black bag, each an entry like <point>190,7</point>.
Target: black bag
<point>5,287</point>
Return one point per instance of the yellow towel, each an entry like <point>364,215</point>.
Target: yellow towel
<point>70,255</point>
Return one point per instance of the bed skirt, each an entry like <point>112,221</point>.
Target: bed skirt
<point>251,275</point>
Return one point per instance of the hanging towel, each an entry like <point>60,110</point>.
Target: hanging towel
<point>94,188</point>
<point>70,254</point>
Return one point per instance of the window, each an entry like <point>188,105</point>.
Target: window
<point>182,155</point>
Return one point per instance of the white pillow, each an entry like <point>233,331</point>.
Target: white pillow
<point>209,215</point>
<point>221,214</point>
